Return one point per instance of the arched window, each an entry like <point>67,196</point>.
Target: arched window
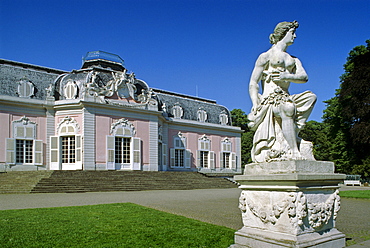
<point>23,148</point>
<point>123,149</point>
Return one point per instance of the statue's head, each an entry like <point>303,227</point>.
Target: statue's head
<point>281,29</point>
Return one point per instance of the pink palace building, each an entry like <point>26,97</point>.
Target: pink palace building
<point>101,117</point>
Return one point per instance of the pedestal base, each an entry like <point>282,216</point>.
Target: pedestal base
<point>289,204</point>
<point>252,237</point>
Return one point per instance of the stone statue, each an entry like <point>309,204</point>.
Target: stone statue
<point>276,116</point>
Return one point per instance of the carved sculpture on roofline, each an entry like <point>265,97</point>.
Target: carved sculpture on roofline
<point>276,116</point>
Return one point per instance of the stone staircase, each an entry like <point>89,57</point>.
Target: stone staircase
<point>103,181</point>
<point>20,182</point>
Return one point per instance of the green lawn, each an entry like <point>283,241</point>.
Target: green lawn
<point>355,194</point>
<point>108,225</point>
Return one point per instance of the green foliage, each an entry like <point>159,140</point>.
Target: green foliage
<point>348,114</point>
<point>362,169</point>
<point>108,225</point>
<point>355,194</point>
<point>240,119</point>
<point>317,133</point>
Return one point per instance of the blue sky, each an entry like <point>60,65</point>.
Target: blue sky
<point>205,47</point>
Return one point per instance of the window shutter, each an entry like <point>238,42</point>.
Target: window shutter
<point>164,152</point>
<point>233,160</point>
<point>54,153</point>
<point>172,157</point>
<point>10,151</point>
<point>38,152</point>
<point>78,152</point>
<point>212,160</point>
<point>187,158</point>
<point>221,160</point>
<point>110,152</point>
<point>198,159</point>
<point>136,153</point>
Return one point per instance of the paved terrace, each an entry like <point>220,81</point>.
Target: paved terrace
<point>216,206</point>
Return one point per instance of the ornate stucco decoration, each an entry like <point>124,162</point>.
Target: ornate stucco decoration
<point>25,88</point>
<point>68,126</point>
<point>177,111</point>
<point>24,121</point>
<point>204,138</point>
<point>123,127</point>
<point>50,90</point>
<point>124,85</point>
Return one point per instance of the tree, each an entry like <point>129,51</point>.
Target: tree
<point>348,113</point>
<point>240,119</point>
<point>317,133</point>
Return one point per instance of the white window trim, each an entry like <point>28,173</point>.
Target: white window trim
<point>24,129</point>
<point>123,128</point>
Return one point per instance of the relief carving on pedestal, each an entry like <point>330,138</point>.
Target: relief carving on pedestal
<point>320,213</point>
<point>297,207</point>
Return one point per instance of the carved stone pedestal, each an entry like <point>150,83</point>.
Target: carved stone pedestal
<point>289,204</point>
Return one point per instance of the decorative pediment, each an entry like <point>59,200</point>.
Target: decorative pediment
<point>24,121</point>
<point>68,126</point>
<point>123,127</point>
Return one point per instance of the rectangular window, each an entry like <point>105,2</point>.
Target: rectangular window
<point>122,150</point>
<point>24,151</point>
<point>179,157</point>
<point>204,159</point>
<point>226,159</point>
<point>68,149</point>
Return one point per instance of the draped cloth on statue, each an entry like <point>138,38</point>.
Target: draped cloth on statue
<point>268,141</point>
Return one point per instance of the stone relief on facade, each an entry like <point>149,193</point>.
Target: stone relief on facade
<point>276,116</point>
